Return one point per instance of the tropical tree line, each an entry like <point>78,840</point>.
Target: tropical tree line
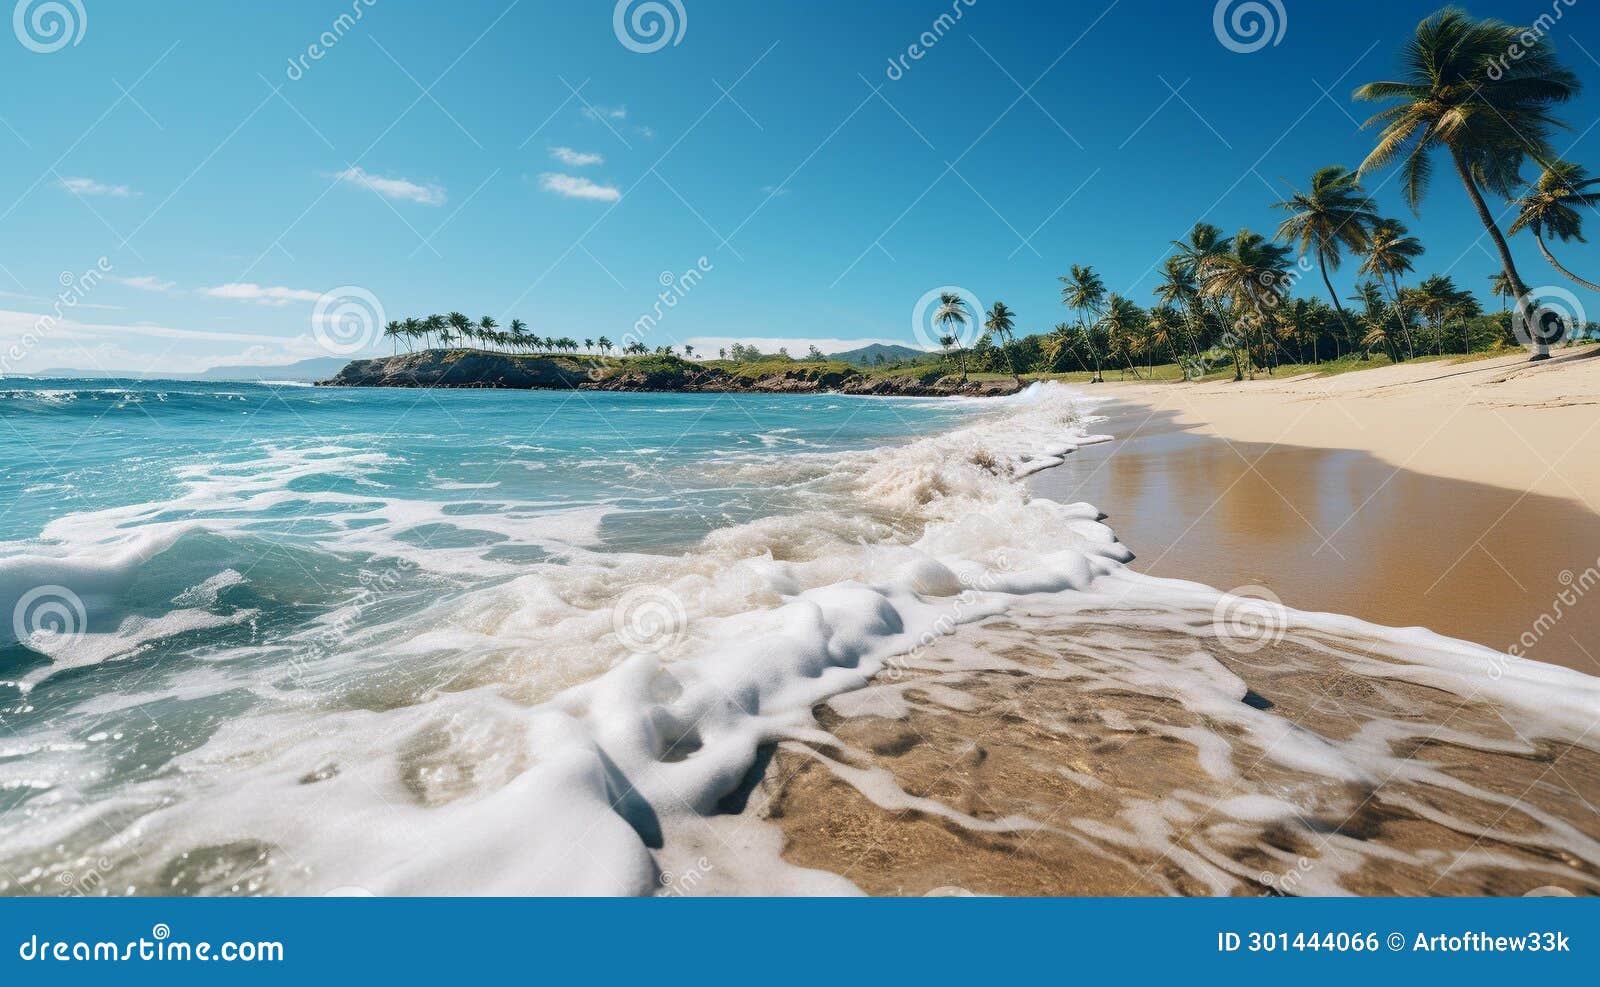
<point>1229,299</point>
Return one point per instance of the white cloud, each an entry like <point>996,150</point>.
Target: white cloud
<point>573,187</point>
<point>775,190</point>
<point>250,292</point>
<point>147,282</point>
<point>88,186</point>
<point>394,188</point>
<point>576,159</point>
<point>606,112</point>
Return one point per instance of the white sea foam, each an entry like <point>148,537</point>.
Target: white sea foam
<point>535,735</point>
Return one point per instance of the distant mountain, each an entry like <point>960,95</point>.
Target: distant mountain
<point>316,368</point>
<point>867,356</point>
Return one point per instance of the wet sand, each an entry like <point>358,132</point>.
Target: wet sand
<point>1342,531</point>
<point>1073,754</point>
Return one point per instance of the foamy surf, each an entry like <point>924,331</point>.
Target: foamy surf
<point>476,719</point>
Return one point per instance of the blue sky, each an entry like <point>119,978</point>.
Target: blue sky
<point>420,159</point>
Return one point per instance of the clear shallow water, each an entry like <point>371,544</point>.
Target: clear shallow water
<point>300,640</point>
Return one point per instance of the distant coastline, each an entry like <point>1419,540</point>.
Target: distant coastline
<point>471,368</point>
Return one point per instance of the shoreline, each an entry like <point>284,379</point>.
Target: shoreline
<point>1022,755</point>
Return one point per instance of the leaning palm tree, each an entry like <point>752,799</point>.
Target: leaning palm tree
<point>1333,215</point>
<point>488,326</point>
<point>1084,293</point>
<point>392,330</point>
<point>1550,205</point>
<point>1458,93</point>
<point>1390,251</point>
<point>1000,323</point>
<point>604,343</point>
<point>953,311</point>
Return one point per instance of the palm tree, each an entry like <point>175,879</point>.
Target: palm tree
<point>462,325</point>
<point>946,343</point>
<point>519,333</point>
<point>392,330</point>
<point>1332,215</point>
<point>1084,293</point>
<point>1000,322</point>
<point>1459,93</point>
<point>1500,288</point>
<point>1204,243</point>
<point>1390,251</point>
<point>1252,272</point>
<point>487,326</point>
<point>604,344</point>
<point>689,350</point>
<point>1550,204</point>
<point>1122,322</point>
<point>953,311</point>
<point>1179,290</point>
<point>432,324</point>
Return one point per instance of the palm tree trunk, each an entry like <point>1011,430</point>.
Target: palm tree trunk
<point>1539,237</point>
<point>1540,350</point>
<point>1322,261</point>
<point>1400,309</point>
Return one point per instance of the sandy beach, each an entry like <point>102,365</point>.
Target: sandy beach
<point>1453,496</point>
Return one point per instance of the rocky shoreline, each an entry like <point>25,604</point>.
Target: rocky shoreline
<point>478,369</point>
